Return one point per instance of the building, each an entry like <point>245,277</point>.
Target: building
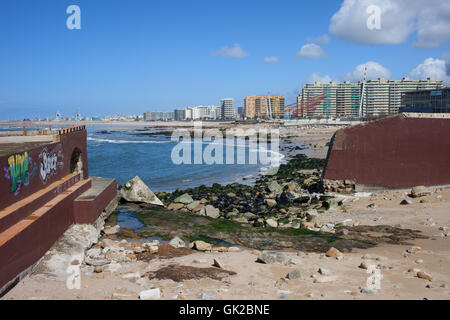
<point>381,97</point>
<point>227,108</point>
<point>384,97</point>
<point>426,101</point>
<point>266,106</point>
<point>341,100</point>
<point>179,114</point>
<point>158,116</point>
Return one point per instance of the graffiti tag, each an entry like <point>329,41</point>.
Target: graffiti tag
<point>20,172</point>
<point>48,164</point>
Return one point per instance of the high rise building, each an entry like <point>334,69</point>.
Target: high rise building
<point>381,97</point>
<point>158,116</point>
<point>227,108</point>
<point>342,99</point>
<point>179,114</point>
<point>426,101</point>
<point>265,106</point>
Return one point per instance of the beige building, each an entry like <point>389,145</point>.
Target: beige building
<point>264,106</point>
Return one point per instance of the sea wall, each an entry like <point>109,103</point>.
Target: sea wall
<point>393,153</point>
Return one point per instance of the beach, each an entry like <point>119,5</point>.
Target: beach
<point>405,246</point>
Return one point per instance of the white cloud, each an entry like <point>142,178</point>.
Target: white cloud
<point>323,39</point>
<point>234,52</point>
<point>270,59</point>
<point>374,71</point>
<point>317,77</point>
<point>311,51</point>
<point>446,57</point>
<point>431,68</point>
<point>399,19</point>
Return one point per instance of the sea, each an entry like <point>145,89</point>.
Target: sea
<point>123,153</point>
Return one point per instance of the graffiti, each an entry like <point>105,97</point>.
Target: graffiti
<point>49,163</point>
<point>20,172</point>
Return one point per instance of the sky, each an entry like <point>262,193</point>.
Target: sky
<point>133,56</point>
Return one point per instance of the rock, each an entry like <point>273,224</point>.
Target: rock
<point>330,204</point>
<point>111,230</point>
<point>293,262</point>
<point>272,257</point>
<point>152,294</point>
<point>113,267</point>
<point>175,206</point>
<point>184,198</point>
<point>270,202</point>
<point>131,276</point>
<point>96,262</point>
<point>212,212</point>
<point>324,279</point>
<point>419,191</point>
<point>372,206</point>
<point>98,269</point>
<point>414,249</point>
<point>192,205</point>
<point>424,275</point>
<point>274,186</point>
<point>201,246</point>
<point>328,227</point>
<point>333,252</point>
<point>240,220</point>
<point>298,274</point>
<point>205,296</point>
<point>177,243</point>
<point>406,202</point>
<point>324,272</point>
<point>234,249</point>
<point>365,265</point>
<point>94,252</point>
<point>419,261</point>
<point>136,190</point>
<point>368,290</point>
<point>272,223</point>
<point>219,264</point>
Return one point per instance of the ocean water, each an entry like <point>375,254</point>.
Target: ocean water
<point>125,153</point>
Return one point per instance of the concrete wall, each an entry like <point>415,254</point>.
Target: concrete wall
<point>392,153</point>
<point>21,179</point>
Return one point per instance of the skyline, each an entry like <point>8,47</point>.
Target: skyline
<point>139,56</point>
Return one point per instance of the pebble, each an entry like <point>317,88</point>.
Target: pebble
<point>324,272</point>
<point>152,294</point>
<point>219,264</point>
<point>424,275</point>
<point>419,261</point>
<point>325,279</point>
<point>205,296</point>
<point>297,274</point>
<point>368,290</point>
<point>333,252</point>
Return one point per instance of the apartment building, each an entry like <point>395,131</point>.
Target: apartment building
<point>158,116</point>
<point>227,108</point>
<point>264,106</point>
<point>381,97</point>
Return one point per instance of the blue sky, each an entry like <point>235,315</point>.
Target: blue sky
<point>135,56</point>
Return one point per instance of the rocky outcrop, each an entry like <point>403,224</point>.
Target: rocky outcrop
<point>136,190</point>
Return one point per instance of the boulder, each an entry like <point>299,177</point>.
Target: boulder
<point>111,230</point>
<point>334,253</point>
<point>152,294</point>
<point>270,202</point>
<point>272,257</point>
<point>175,206</point>
<point>298,274</point>
<point>212,212</point>
<point>419,191</point>
<point>177,243</point>
<point>272,223</point>
<point>184,198</point>
<point>192,205</point>
<point>273,186</point>
<point>136,190</point>
<point>201,245</point>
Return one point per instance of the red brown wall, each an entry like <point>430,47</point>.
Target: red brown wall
<point>394,153</point>
<point>64,148</point>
